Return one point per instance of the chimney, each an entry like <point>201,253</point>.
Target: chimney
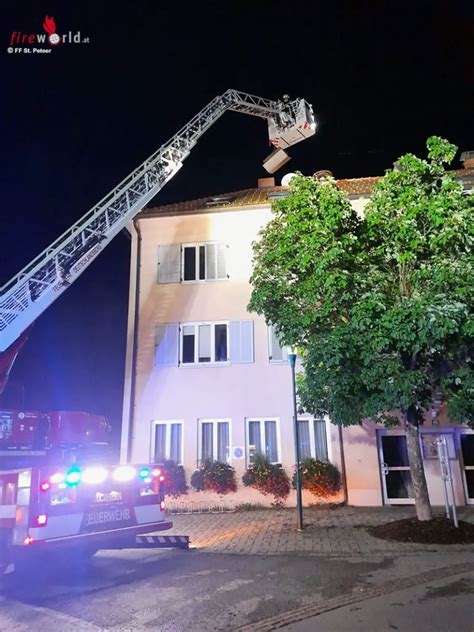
<point>265,183</point>
<point>467,158</point>
<point>322,174</point>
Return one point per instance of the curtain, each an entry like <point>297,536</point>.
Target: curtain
<point>175,443</point>
<point>204,343</point>
<point>271,448</point>
<point>222,441</point>
<point>160,443</point>
<point>220,343</point>
<point>305,442</point>
<point>320,440</point>
<point>206,445</point>
<point>254,444</point>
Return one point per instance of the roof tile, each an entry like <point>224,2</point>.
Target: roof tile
<point>354,187</point>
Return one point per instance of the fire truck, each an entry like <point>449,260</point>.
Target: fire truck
<point>58,488</point>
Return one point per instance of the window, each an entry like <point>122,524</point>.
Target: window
<point>313,439</point>
<point>263,437</point>
<point>430,447</point>
<point>277,353</point>
<point>204,262</point>
<point>192,262</point>
<point>167,441</point>
<point>214,440</point>
<point>204,343</point>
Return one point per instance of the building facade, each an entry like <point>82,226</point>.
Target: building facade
<point>207,379</point>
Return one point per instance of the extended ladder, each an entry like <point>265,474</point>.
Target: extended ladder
<point>38,285</point>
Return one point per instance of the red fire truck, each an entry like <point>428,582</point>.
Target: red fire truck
<point>59,489</point>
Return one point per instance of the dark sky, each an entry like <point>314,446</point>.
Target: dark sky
<point>382,76</point>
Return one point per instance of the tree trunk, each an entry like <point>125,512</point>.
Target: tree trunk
<point>415,459</point>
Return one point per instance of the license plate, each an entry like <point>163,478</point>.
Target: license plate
<point>108,497</point>
<point>112,517</point>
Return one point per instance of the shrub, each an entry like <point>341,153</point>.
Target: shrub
<point>175,479</point>
<point>214,476</point>
<point>321,478</point>
<point>197,480</point>
<point>268,478</point>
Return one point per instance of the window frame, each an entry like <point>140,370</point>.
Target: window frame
<point>196,246</point>
<point>168,423</point>
<point>312,440</point>
<point>196,325</point>
<point>262,421</point>
<point>299,359</point>
<point>215,422</point>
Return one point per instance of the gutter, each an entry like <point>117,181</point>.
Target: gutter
<point>133,380</point>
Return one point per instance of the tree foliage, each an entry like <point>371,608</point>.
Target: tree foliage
<point>381,305</point>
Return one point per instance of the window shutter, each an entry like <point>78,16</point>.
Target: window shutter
<point>169,264</point>
<point>277,353</point>
<point>166,345</point>
<point>241,341</point>
<point>211,261</point>
<point>221,261</point>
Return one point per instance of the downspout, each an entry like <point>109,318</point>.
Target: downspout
<point>343,465</point>
<point>133,380</point>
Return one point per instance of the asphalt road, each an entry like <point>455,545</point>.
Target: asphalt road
<point>185,590</point>
<point>446,604</point>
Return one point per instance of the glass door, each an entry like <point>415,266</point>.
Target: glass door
<point>396,477</point>
<point>467,449</point>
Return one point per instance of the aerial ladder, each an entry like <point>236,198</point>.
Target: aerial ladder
<point>30,292</point>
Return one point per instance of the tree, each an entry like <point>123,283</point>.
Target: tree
<point>381,305</point>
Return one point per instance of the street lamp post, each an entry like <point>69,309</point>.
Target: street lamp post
<point>299,502</point>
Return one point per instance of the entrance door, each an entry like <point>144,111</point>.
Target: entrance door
<point>467,448</point>
<point>396,476</point>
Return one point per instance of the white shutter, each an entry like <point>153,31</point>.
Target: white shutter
<point>241,341</point>
<point>166,345</point>
<point>169,264</point>
<point>221,261</point>
<point>211,262</point>
<point>277,352</point>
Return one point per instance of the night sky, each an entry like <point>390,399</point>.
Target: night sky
<point>382,76</point>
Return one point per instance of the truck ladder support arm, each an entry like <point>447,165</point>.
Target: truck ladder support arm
<point>36,287</point>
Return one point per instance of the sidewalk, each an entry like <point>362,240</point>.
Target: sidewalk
<point>328,532</point>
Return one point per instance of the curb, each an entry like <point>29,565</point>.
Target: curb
<point>313,610</point>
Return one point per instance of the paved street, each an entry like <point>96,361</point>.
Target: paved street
<point>213,589</point>
<point>431,606</point>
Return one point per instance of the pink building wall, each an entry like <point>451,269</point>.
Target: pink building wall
<point>237,391</point>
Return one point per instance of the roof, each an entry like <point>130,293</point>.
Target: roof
<point>354,187</point>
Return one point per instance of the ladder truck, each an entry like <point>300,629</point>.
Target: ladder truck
<point>56,488</point>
